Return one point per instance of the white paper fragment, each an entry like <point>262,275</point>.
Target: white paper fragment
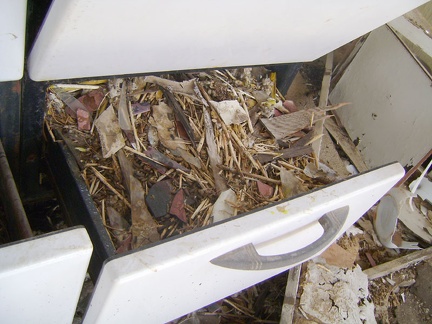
<point>335,295</point>
<point>109,132</point>
<point>223,207</point>
<point>291,185</point>
<point>230,111</point>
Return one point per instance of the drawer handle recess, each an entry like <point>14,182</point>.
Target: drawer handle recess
<point>247,257</point>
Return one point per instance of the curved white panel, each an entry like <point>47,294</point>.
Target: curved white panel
<point>82,38</point>
<point>41,278</point>
<point>163,282</point>
<point>12,39</point>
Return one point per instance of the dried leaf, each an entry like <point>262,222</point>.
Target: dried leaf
<point>178,206</point>
<point>180,115</point>
<point>323,173</point>
<point>72,104</point>
<point>144,227</point>
<point>291,185</point>
<point>160,119</point>
<point>288,124</point>
<point>83,119</point>
<point>140,107</point>
<point>284,154</point>
<point>165,127</point>
<point>163,159</point>
<point>117,222</point>
<point>185,87</point>
<point>223,207</point>
<point>126,169</point>
<point>264,189</point>
<point>125,245</point>
<point>124,118</point>
<point>290,105</point>
<point>109,132</point>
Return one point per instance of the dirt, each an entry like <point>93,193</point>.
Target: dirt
<point>417,305</point>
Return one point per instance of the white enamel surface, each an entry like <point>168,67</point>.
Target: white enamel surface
<point>416,35</point>
<point>390,95</point>
<point>41,278</point>
<point>164,282</point>
<point>82,38</point>
<point>12,38</point>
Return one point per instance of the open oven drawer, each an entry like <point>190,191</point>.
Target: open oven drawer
<point>179,275</point>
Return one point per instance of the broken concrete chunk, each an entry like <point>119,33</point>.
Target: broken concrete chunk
<point>335,295</point>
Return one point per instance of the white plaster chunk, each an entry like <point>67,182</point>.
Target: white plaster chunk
<point>230,111</point>
<point>334,295</point>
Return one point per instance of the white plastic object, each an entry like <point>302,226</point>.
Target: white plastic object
<point>419,182</point>
<point>86,38</point>
<point>163,282</point>
<point>12,39</point>
<point>393,206</point>
<point>41,278</point>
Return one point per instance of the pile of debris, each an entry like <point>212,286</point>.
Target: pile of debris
<point>164,155</point>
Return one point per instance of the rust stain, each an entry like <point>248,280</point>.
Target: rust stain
<point>16,88</point>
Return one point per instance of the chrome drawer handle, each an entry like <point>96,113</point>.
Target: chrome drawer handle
<point>247,257</point>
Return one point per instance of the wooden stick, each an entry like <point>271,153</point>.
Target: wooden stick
<point>413,169</point>
<point>251,175</point>
<point>288,306</point>
<point>346,144</point>
<point>245,151</point>
<point>212,152</point>
<point>106,183</point>
<point>325,87</point>
<point>249,122</point>
<point>398,264</point>
<point>135,132</point>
